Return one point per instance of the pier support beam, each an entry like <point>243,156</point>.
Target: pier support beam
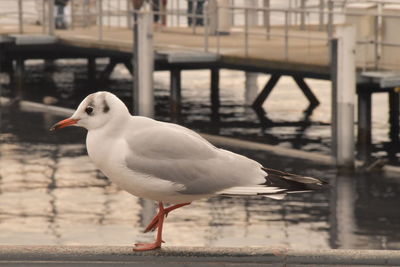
<point>364,124</point>
<point>143,96</point>
<point>91,71</point>
<point>106,73</point>
<point>214,96</point>
<point>343,96</point>
<point>19,78</point>
<point>306,91</point>
<point>251,87</point>
<point>394,116</point>
<point>175,94</point>
<point>266,90</point>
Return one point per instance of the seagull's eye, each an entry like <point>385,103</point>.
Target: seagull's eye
<point>89,110</point>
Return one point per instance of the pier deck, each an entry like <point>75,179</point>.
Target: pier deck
<point>307,56</point>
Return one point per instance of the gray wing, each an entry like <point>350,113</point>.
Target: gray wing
<point>181,156</point>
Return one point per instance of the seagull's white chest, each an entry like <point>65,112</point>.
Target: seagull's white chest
<point>109,156</point>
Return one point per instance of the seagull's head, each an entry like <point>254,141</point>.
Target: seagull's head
<point>96,111</point>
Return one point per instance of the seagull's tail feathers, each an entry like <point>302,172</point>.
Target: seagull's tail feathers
<point>293,183</point>
<point>277,185</point>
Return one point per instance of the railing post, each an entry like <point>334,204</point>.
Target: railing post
<point>302,14</point>
<point>129,14</point>
<point>72,15</point>
<point>246,32</point>
<point>321,14</point>
<point>286,35</point>
<point>344,90</point>
<point>330,19</point>
<point>100,19</point>
<point>44,20</point>
<point>376,42</point>
<point>194,19</point>
<point>205,23</point>
<point>51,19</point>
<point>267,22</point>
<point>20,17</point>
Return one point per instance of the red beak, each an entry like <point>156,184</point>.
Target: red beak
<point>63,123</point>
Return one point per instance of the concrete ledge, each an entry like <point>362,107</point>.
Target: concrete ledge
<point>193,256</point>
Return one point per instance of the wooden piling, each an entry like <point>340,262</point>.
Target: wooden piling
<point>344,88</point>
<point>364,124</point>
<point>251,87</point>
<point>19,78</point>
<point>143,97</point>
<point>214,96</point>
<point>91,70</point>
<point>394,109</point>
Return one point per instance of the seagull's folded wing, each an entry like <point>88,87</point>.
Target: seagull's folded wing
<point>183,157</point>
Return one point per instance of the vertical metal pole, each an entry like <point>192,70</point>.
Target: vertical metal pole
<point>51,19</point>
<point>72,7</point>
<point>267,21</point>
<point>330,19</point>
<point>128,14</point>
<point>194,6</point>
<point>144,62</point>
<point>206,30</point>
<point>286,35</point>
<point>394,116</point>
<point>108,14</point>
<point>135,64</point>
<point>44,20</point>
<point>345,97</point>
<point>376,42</point>
<point>334,68</point>
<point>251,86</point>
<point>91,71</point>
<point>302,14</point>
<point>321,14</point>
<point>118,13</point>
<point>20,16</point>
<point>246,32</point>
<point>364,124</point>
<point>232,3</point>
<point>100,20</point>
<point>19,76</point>
<point>179,12</point>
<point>214,90</point>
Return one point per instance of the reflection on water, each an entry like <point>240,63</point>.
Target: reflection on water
<point>50,193</point>
<point>286,118</point>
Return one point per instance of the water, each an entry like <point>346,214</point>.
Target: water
<point>51,194</point>
<point>286,122</point>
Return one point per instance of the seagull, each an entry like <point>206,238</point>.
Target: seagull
<point>169,163</point>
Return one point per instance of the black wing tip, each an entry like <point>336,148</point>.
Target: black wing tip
<point>294,182</point>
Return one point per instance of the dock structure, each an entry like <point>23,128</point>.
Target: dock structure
<point>222,36</point>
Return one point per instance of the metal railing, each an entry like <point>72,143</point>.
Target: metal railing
<point>273,21</point>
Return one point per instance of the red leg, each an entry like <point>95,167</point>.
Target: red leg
<point>153,224</point>
<point>158,242</point>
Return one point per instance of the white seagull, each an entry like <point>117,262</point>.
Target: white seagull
<point>169,163</point>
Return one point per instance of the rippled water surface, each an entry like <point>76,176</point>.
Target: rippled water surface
<point>50,193</point>
<point>287,121</point>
